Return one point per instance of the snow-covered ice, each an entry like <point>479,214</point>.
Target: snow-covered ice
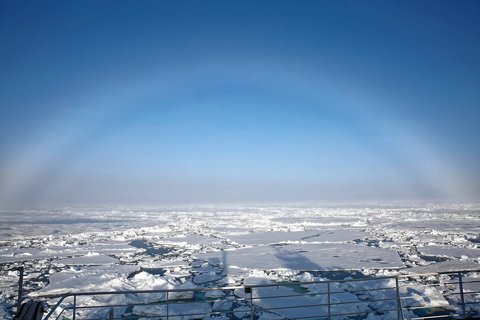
<point>128,249</point>
<point>273,237</point>
<point>301,257</point>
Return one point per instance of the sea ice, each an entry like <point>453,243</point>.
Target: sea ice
<point>449,251</point>
<point>296,236</point>
<point>325,256</point>
<point>91,249</point>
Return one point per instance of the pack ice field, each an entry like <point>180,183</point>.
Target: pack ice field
<point>91,250</point>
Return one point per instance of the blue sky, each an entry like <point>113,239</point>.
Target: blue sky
<point>212,102</point>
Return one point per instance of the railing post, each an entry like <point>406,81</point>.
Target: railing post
<point>328,301</point>
<point>462,298</point>
<point>52,309</point>
<point>74,306</point>
<point>20,288</point>
<point>168,306</point>
<point>110,316</point>
<point>251,304</point>
<point>399,301</point>
<point>249,290</point>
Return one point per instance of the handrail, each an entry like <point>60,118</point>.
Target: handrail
<point>89,293</point>
<point>253,300</point>
<point>277,284</point>
<point>55,307</point>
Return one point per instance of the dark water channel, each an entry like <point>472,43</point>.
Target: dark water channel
<point>151,251</point>
<point>149,248</point>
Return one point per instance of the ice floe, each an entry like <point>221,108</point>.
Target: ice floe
<point>127,249</point>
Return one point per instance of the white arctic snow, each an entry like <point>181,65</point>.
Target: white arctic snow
<point>90,278</point>
<point>297,236</point>
<point>90,259</point>
<point>77,249</point>
<point>322,256</point>
<point>450,251</point>
<point>14,254</point>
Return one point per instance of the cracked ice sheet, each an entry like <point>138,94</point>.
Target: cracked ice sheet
<point>326,256</point>
<point>91,259</point>
<point>11,254</point>
<point>105,277</point>
<point>322,222</point>
<point>444,266</point>
<point>190,239</point>
<point>440,225</point>
<point>380,222</point>
<point>449,251</point>
<point>71,221</point>
<point>296,236</point>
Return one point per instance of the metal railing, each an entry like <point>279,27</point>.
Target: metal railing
<point>11,283</point>
<point>413,296</point>
<point>443,295</point>
<point>458,294</point>
<point>165,303</point>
